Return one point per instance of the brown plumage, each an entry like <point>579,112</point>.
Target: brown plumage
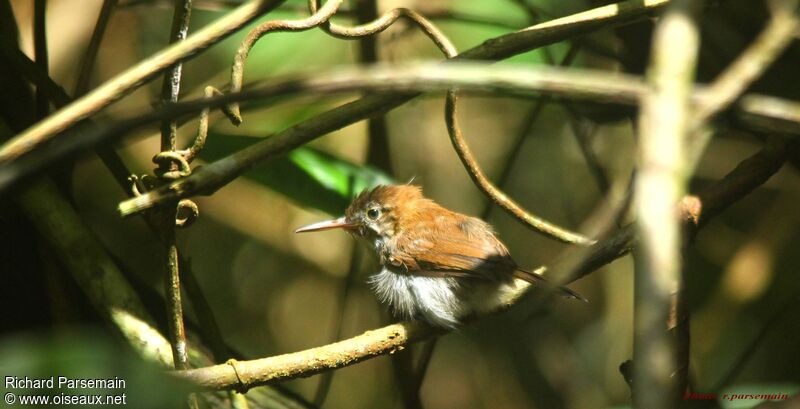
<point>429,254</point>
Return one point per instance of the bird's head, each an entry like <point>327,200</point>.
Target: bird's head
<point>379,213</point>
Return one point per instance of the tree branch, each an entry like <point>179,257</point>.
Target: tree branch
<point>494,49</point>
<point>573,84</point>
<point>664,126</point>
<point>751,64</point>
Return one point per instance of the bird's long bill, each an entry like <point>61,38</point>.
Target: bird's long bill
<point>340,223</point>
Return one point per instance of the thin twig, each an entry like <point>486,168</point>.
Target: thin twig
<point>85,72</point>
<point>495,49</point>
<point>583,130</point>
<point>664,126</point>
<point>491,191</point>
<point>500,198</point>
<point>750,174</point>
<point>317,18</point>
<point>169,129</point>
<point>740,74</point>
<point>40,51</point>
<point>751,64</point>
<point>215,175</point>
<point>528,121</point>
<point>132,78</point>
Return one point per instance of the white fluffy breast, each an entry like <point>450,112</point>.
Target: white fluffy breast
<point>435,299</point>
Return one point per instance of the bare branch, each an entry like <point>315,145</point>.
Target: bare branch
<point>576,84</point>
<point>495,49</point>
<point>134,77</point>
<point>513,80</point>
<point>664,126</point>
<point>502,200</point>
<point>749,66</point>
<point>237,69</point>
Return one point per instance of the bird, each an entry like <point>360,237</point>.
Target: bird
<point>436,265</point>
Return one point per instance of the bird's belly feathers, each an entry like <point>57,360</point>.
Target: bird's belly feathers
<point>441,301</point>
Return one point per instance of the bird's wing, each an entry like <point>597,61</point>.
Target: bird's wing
<point>467,249</point>
<point>455,246</point>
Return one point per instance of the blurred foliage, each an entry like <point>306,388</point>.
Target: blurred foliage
<point>86,354</point>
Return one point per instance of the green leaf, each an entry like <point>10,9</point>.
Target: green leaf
<point>307,176</point>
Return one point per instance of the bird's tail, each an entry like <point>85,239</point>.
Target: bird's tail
<point>535,278</point>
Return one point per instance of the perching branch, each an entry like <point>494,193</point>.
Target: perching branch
<point>242,375</point>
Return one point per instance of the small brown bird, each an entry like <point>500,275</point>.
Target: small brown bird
<point>436,264</point>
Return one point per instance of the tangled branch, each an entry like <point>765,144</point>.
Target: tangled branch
<point>131,79</point>
<point>571,84</point>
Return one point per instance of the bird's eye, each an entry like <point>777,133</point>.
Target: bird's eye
<point>373,214</point>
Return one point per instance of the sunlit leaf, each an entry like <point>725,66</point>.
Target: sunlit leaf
<point>308,176</point>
